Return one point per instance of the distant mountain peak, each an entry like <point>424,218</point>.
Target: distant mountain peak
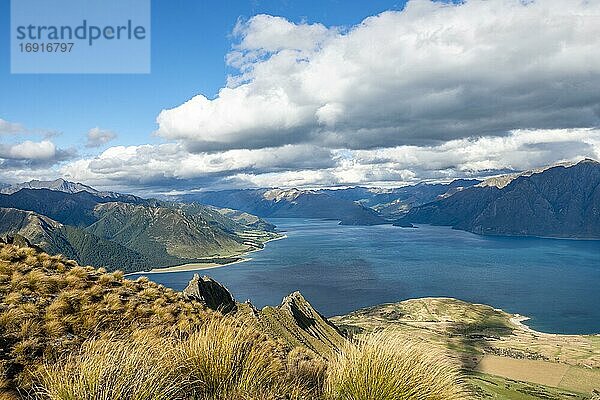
<point>286,194</point>
<point>501,181</point>
<point>60,184</point>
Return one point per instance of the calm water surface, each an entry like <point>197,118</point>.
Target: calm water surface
<point>342,268</point>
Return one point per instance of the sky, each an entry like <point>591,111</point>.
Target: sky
<point>305,94</point>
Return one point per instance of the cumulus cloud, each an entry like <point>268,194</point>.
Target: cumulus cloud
<point>430,73</point>
<point>436,91</point>
<point>172,166</point>
<point>31,159</point>
<point>167,164</point>
<point>97,137</point>
<point>28,150</point>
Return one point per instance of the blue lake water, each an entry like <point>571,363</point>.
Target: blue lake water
<point>342,268</point>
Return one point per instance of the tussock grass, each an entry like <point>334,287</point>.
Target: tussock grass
<point>223,360</point>
<point>112,368</point>
<point>383,367</point>
<point>50,306</point>
<point>69,332</point>
<point>227,361</point>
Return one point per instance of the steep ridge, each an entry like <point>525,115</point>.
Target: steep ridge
<point>294,321</point>
<point>561,201</point>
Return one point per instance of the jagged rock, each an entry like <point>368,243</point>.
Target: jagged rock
<point>308,319</point>
<point>18,240</point>
<point>254,310</point>
<point>211,293</point>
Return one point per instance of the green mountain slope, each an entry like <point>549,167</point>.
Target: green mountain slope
<point>56,238</point>
<point>163,232</point>
<point>125,231</point>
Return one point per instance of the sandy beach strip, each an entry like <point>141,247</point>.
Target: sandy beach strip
<point>206,265</point>
<point>191,267</point>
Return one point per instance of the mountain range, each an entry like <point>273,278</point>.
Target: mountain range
<point>125,231</point>
<point>290,203</point>
<point>351,206</point>
<point>560,201</point>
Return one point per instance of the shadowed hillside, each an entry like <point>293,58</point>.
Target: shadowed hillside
<point>506,360</point>
<point>557,202</point>
<point>124,231</point>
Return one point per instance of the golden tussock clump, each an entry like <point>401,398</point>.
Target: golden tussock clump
<point>49,306</point>
<point>222,360</point>
<point>384,367</point>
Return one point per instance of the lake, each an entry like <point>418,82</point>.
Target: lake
<point>342,268</point>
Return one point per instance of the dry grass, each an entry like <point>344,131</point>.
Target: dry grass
<point>76,333</point>
<point>382,367</point>
<point>227,361</point>
<point>111,368</point>
<point>50,306</point>
<point>223,360</point>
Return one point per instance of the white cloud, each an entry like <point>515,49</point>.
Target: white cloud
<point>28,150</point>
<point>172,166</point>
<point>29,159</point>
<point>429,73</point>
<point>97,137</point>
<point>147,164</point>
<point>435,91</point>
<point>10,128</point>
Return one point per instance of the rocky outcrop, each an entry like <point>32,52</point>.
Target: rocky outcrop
<point>211,293</point>
<point>297,323</point>
<point>294,322</point>
<point>306,317</point>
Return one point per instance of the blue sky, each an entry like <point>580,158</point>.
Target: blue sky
<point>307,94</point>
<point>189,42</point>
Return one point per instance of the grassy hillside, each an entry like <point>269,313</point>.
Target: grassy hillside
<point>72,332</point>
<point>506,359</point>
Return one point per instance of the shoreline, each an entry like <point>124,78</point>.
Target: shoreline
<point>208,265</point>
<point>518,321</point>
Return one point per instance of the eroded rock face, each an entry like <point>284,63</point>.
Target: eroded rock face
<point>211,293</point>
<point>307,318</point>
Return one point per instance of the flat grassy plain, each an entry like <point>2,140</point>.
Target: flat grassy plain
<point>506,360</point>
